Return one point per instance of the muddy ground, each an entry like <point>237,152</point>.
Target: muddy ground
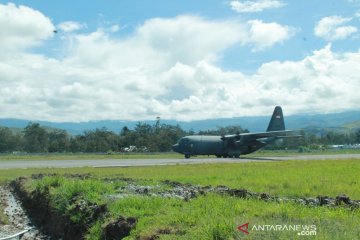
<point>188,191</point>
<point>18,219</point>
<point>39,215</point>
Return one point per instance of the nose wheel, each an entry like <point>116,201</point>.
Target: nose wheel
<point>187,156</point>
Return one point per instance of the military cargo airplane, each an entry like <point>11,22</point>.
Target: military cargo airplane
<point>236,144</point>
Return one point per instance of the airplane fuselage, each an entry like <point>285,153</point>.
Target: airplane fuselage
<point>216,145</point>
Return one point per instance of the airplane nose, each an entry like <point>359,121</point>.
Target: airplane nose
<point>175,147</point>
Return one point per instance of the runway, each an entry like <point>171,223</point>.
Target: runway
<point>23,164</point>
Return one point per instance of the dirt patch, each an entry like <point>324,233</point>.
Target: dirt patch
<point>39,176</point>
<point>60,225</point>
<point>18,219</point>
<point>157,233</point>
<point>188,191</point>
<point>119,228</point>
<point>53,222</point>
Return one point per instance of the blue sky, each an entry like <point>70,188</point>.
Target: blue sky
<point>179,59</point>
<point>301,15</point>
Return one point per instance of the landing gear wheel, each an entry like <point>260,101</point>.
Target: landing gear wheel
<point>237,156</point>
<point>218,156</point>
<point>187,155</point>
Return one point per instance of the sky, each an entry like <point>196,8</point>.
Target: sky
<point>75,61</point>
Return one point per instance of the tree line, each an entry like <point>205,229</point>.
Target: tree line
<point>314,140</point>
<point>158,137</point>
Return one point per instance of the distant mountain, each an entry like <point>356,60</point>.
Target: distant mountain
<point>347,120</point>
<point>352,125</point>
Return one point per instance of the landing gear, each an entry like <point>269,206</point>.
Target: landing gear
<point>236,156</point>
<point>187,156</point>
<point>218,156</point>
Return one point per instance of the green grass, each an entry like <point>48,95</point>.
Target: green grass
<point>214,216</point>
<point>279,153</point>
<point>207,217</point>
<point>288,178</point>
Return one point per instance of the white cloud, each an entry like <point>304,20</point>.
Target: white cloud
<point>22,27</point>
<point>255,6</point>
<point>174,37</point>
<point>160,43</point>
<point>70,26</point>
<point>265,35</point>
<point>168,68</point>
<point>334,28</point>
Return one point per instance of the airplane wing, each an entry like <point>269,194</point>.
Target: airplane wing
<point>248,137</point>
<point>283,133</point>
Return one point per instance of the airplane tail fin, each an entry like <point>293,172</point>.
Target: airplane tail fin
<point>277,120</point>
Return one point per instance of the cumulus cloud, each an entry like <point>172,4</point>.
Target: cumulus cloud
<point>255,6</point>
<point>169,68</point>
<point>70,26</point>
<point>23,27</point>
<point>160,43</point>
<point>265,35</point>
<point>334,28</point>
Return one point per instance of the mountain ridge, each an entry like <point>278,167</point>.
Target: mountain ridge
<point>254,123</point>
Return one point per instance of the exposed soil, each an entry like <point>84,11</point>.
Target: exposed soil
<point>57,225</point>
<point>18,219</point>
<point>163,231</point>
<point>188,191</point>
<point>60,226</point>
<point>119,228</point>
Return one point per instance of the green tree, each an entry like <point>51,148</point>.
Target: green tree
<point>100,140</point>
<point>77,144</point>
<point>59,141</point>
<point>8,141</point>
<point>357,136</point>
<point>35,138</point>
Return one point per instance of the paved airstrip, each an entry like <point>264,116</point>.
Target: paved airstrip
<point>23,164</point>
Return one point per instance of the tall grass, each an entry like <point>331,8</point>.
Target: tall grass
<point>217,217</point>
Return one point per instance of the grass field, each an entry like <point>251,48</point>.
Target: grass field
<point>290,178</point>
<point>215,216</point>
